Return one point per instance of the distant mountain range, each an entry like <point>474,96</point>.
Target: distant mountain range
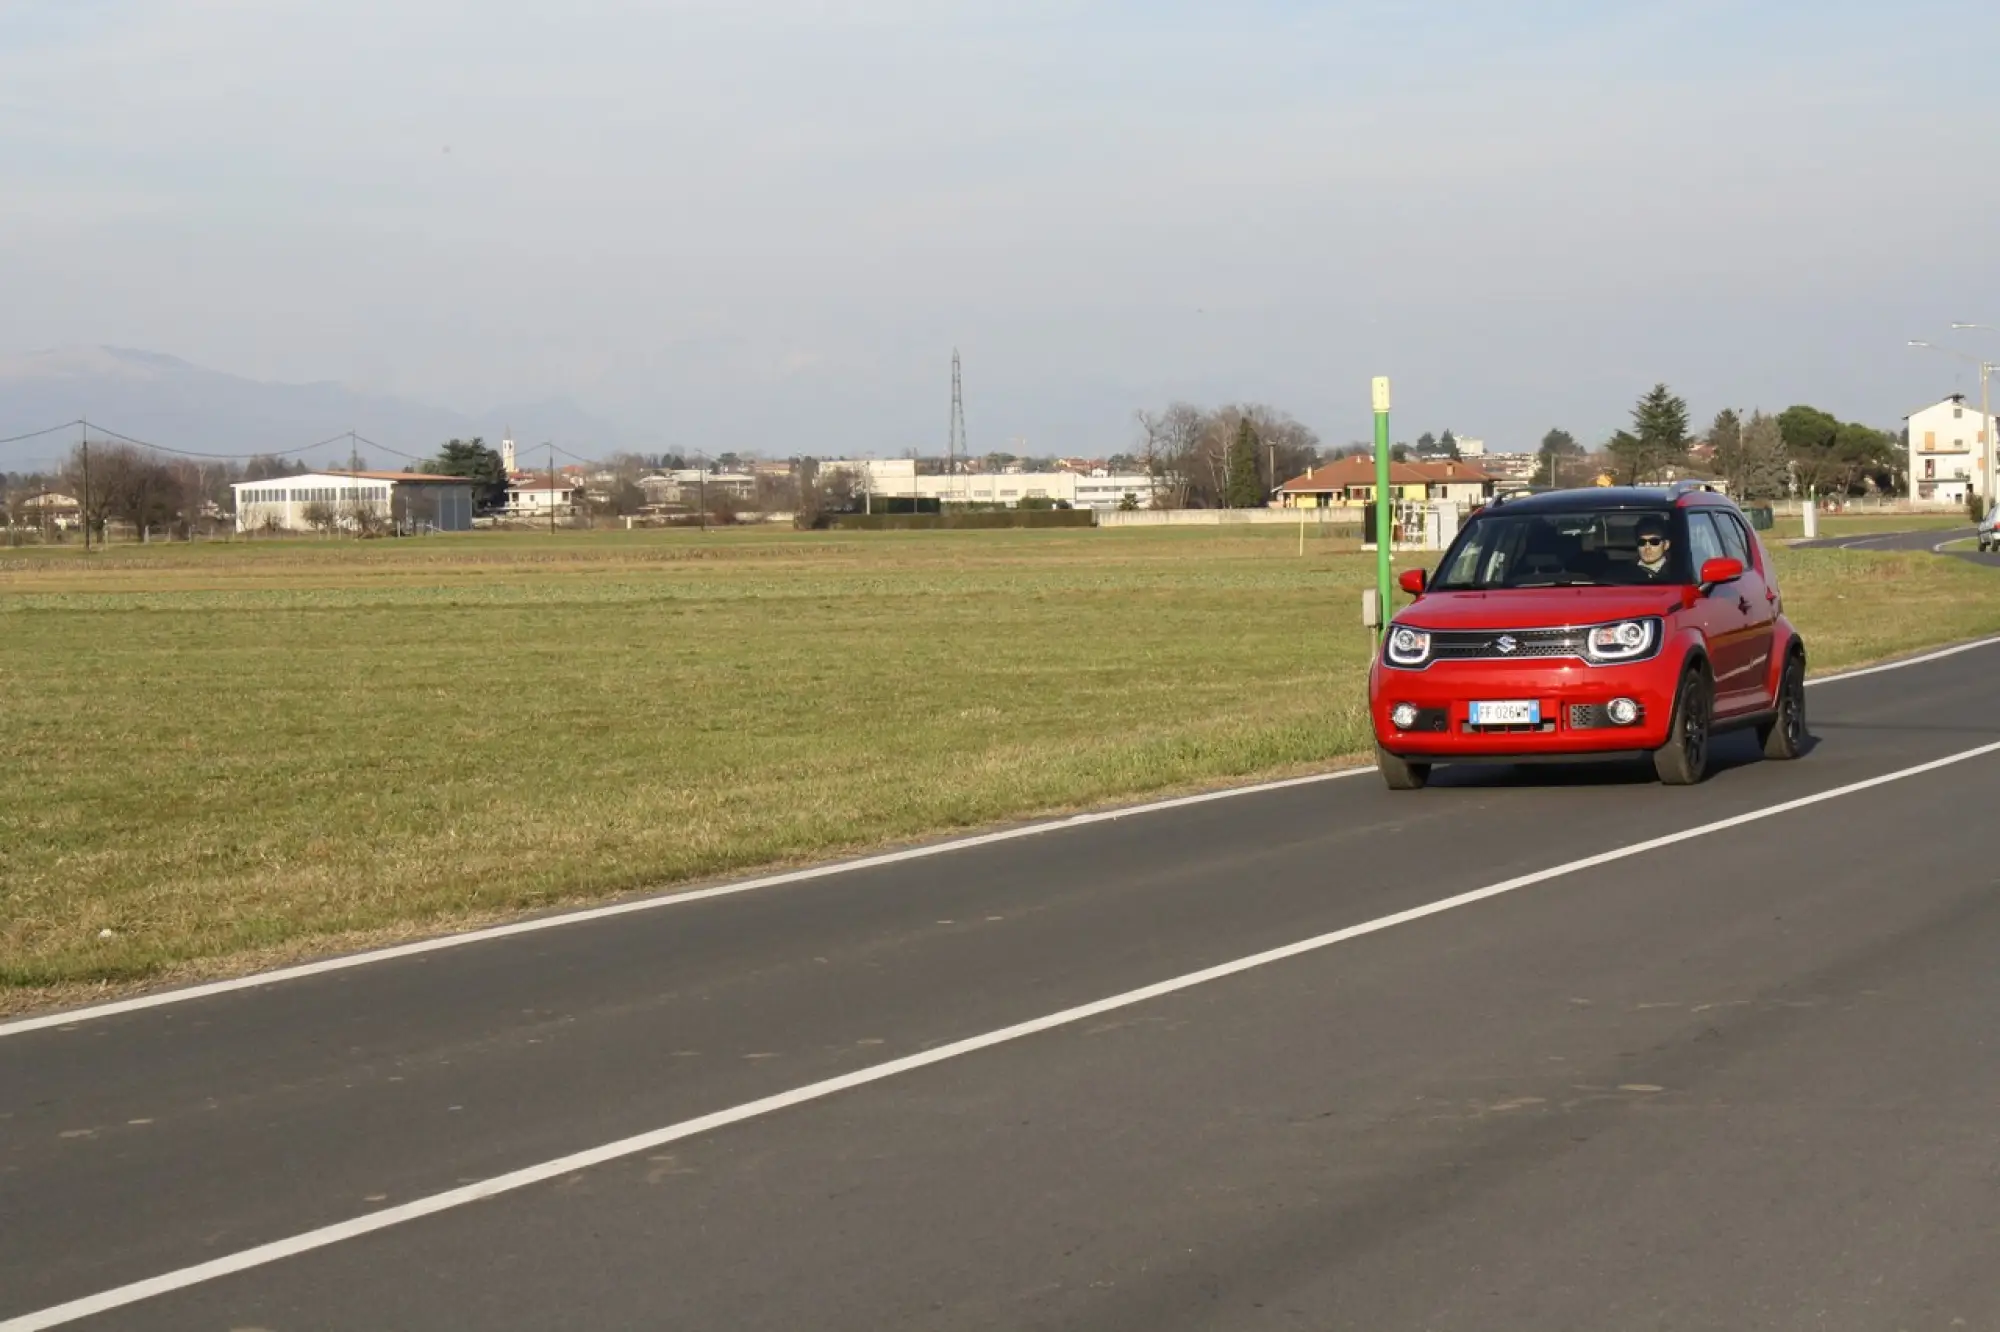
<point>168,401</point>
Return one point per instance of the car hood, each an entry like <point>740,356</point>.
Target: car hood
<point>1534,608</point>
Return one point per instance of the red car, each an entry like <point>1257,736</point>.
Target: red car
<point>1595,623</point>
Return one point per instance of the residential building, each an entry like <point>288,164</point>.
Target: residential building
<point>690,485</point>
<point>1948,444</point>
<point>542,495</point>
<point>408,501</point>
<point>1350,483</point>
<point>51,508</point>
<point>1512,466</point>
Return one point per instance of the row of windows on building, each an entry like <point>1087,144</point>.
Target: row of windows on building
<point>315,494</point>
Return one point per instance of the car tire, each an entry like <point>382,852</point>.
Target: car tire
<point>1683,760</point>
<point>1784,736</point>
<point>1399,773</point>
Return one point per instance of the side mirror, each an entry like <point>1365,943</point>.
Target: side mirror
<point>1413,581</point>
<point>1714,573</point>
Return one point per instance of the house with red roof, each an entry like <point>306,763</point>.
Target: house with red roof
<point>1349,482</point>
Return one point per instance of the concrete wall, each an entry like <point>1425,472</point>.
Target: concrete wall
<point>1314,518</point>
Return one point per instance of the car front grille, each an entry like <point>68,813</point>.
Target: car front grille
<point>1519,645</point>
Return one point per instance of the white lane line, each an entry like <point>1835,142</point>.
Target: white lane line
<point>1856,674</point>
<point>165,998</point>
<point>535,925</point>
<point>277,1250</point>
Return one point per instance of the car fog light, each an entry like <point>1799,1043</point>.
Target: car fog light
<point>1622,711</point>
<point>1404,715</point>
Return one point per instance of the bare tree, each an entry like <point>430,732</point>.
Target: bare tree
<point>1185,449</point>
<point>1171,440</point>
<point>129,485</point>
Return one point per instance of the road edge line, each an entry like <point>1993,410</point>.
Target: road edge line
<point>672,898</point>
<point>263,1255</point>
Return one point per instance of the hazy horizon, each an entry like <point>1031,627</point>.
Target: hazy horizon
<point>766,226</point>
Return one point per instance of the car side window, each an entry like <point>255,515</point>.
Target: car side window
<point>1703,544</point>
<point>1734,539</point>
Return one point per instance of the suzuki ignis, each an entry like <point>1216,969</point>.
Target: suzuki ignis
<point>1595,623</point>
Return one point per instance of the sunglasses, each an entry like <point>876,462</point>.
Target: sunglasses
<point>1652,541</point>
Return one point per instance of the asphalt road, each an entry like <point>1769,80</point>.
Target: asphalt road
<point>1931,539</point>
<point>1745,1078</point>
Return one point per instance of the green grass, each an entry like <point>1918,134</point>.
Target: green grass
<point>1835,525</point>
<point>231,754</point>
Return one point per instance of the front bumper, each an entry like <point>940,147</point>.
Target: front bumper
<point>1573,699</point>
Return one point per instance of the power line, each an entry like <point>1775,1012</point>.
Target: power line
<point>106,431</point>
<point>37,434</point>
<point>395,453</point>
<point>193,453</point>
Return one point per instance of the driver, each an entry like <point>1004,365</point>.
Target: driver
<point>1653,547</point>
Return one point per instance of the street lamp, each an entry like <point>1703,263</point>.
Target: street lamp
<point>1991,448</point>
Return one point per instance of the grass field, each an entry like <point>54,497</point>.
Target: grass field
<point>227,755</point>
<point>1837,525</point>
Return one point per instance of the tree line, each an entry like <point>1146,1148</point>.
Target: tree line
<point>1233,456</point>
<point>147,490</point>
<point>1763,457</point>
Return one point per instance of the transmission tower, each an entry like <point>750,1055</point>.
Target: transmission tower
<point>955,448</point>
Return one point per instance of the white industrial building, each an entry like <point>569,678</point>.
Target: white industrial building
<point>406,501</point>
<point>898,478</point>
<point>1948,443</point>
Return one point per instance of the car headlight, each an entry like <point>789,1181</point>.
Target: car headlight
<point>1627,640</point>
<point>1408,647</point>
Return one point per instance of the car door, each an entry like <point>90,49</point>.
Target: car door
<point>1757,599</point>
<point>1723,617</point>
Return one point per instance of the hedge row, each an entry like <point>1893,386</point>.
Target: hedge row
<point>926,522</point>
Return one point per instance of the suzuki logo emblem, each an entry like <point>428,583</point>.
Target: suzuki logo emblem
<point>1506,643</point>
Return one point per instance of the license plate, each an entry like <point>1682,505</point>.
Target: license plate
<point>1512,713</point>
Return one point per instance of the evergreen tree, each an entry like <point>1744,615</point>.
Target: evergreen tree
<point>1764,473</point>
<point>1449,445</point>
<point>473,460</point>
<point>1558,461</point>
<point>1658,438</point>
<point>1726,438</point>
<point>1426,444</point>
<point>1812,440</point>
<point>1243,489</point>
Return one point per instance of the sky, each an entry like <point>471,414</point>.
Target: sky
<point>765,224</point>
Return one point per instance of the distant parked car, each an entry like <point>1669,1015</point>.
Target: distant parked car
<point>1987,541</point>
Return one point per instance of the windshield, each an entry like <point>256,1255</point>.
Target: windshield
<point>1584,548</point>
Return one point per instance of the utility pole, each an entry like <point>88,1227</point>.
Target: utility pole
<point>1986,369</point>
<point>354,481</point>
<point>86,487</point>
<point>552,488</point>
<point>701,489</point>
